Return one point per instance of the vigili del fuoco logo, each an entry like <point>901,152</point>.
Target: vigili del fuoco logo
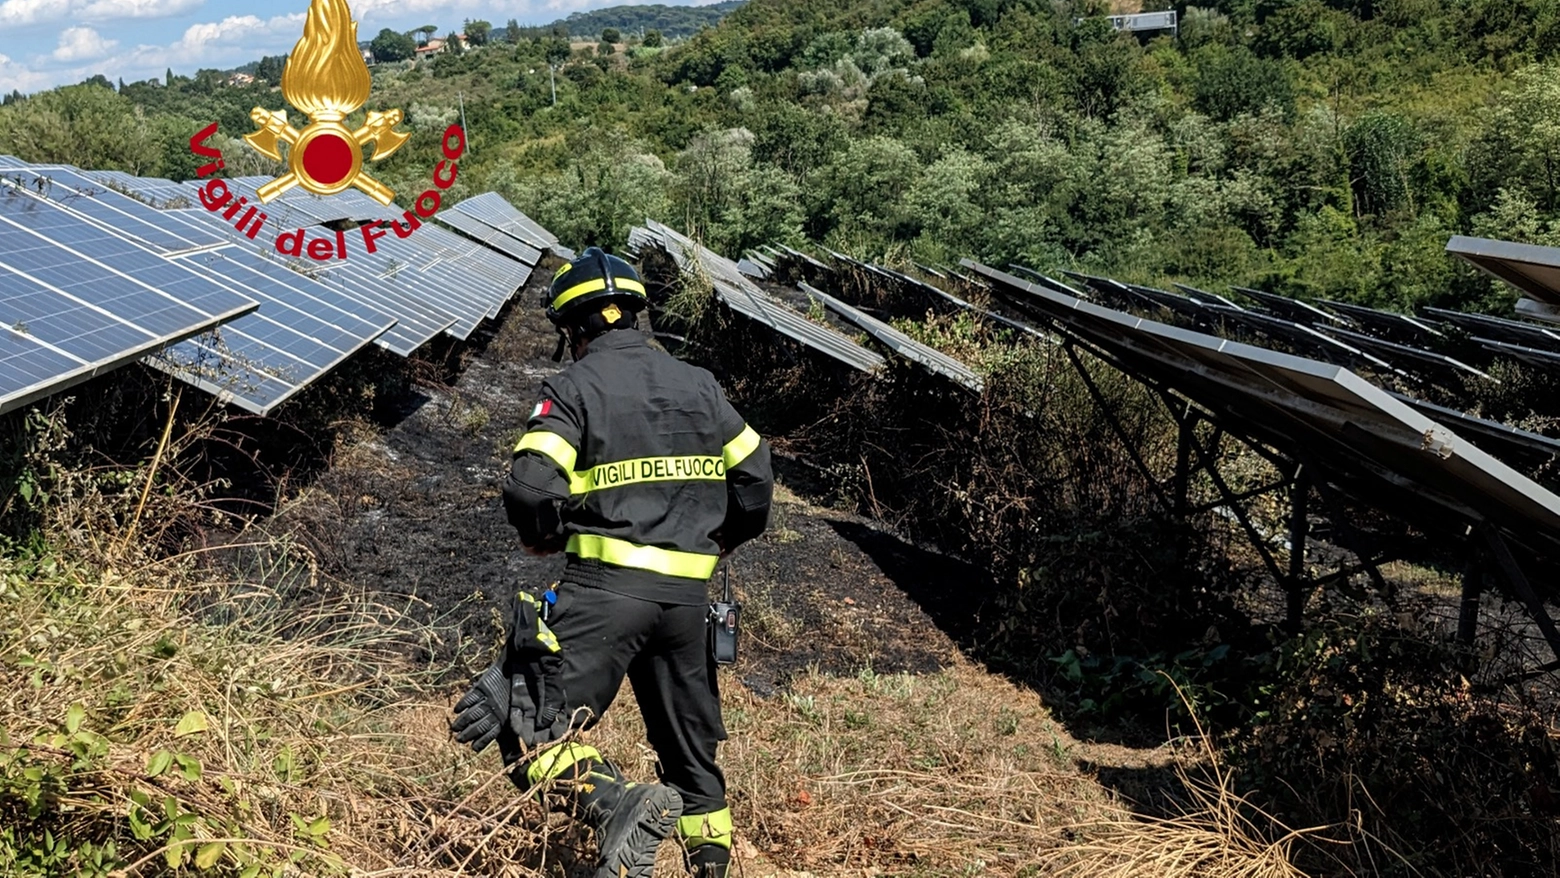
<point>326,79</point>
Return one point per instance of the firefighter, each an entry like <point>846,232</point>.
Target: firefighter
<point>636,467</point>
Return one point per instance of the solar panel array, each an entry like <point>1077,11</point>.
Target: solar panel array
<point>103,268</point>
<point>743,297</point>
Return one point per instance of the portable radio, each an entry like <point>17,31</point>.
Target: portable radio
<point>724,615</point>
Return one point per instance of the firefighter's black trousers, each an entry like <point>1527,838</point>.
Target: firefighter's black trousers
<point>664,651</point>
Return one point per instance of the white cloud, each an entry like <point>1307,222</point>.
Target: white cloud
<point>19,12</point>
<point>18,76</point>
<point>82,43</point>
<point>110,10</point>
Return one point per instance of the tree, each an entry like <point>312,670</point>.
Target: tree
<point>611,35</point>
<point>391,46</point>
<point>427,31</point>
<point>556,51</point>
<point>605,48</point>
<point>271,66</point>
<point>652,39</point>
<point>168,79</point>
<point>477,32</point>
<point>98,80</point>
<point>512,31</point>
<point>453,45</point>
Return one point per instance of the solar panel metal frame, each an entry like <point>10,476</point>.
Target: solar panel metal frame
<point>1429,360</point>
<point>1542,359</point>
<point>113,211</point>
<point>1291,309</point>
<point>1532,269</point>
<point>907,347</point>
<point>1378,449</point>
<point>1500,329</point>
<point>739,294</point>
<point>1388,322</point>
<point>398,259</point>
<point>1536,447</point>
<point>497,239</point>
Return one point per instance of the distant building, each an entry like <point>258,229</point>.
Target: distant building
<point>368,56</point>
<point>240,79</point>
<point>436,45</point>
<point>1144,22</point>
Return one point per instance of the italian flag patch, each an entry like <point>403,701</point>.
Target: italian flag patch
<point>542,409</point>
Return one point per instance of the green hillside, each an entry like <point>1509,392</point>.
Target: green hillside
<point>671,21</point>
<point>1316,148</point>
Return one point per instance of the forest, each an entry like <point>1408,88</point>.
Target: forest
<point>1321,148</point>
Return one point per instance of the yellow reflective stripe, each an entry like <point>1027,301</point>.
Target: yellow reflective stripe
<point>554,761</point>
<point>592,286</point>
<point>622,553</point>
<point>554,446</point>
<point>692,467</point>
<point>701,829</point>
<point>738,449</point>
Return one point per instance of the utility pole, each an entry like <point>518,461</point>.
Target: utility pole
<point>465,132</point>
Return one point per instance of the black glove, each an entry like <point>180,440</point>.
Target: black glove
<point>482,714</point>
<point>518,700</point>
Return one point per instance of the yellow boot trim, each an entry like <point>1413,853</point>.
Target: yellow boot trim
<point>554,761</point>
<point>700,829</point>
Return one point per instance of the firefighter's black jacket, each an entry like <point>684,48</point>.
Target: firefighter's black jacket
<point>636,464</point>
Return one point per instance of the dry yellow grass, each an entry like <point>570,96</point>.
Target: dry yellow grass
<point>282,705</point>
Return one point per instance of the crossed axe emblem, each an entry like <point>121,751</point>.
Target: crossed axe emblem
<point>378,127</point>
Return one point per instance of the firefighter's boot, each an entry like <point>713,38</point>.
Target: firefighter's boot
<point>709,861</point>
<point>630,820</point>
<point>706,842</point>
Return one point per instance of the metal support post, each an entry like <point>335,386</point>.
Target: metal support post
<point>1472,585</point>
<point>1299,527</point>
<point>1523,588</point>
<point>1121,433</point>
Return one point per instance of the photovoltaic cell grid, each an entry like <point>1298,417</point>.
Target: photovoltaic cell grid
<point>491,209</point>
<point>499,240</point>
<point>307,321</point>
<point>69,315</point>
<point>257,360</point>
<point>470,280</point>
<point>117,211</point>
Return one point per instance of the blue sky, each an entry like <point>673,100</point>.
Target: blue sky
<point>44,43</point>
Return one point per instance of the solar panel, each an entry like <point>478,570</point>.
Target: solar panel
<point>1303,338</point>
<point>741,296</point>
<point>1530,268</point>
<point>416,321</point>
<point>67,316</point>
<point>902,344</point>
<point>1518,447</point>
<point>1382,451</point>
<point>1424,362</point>
<point>1541,359</point>
<point>1303,313</point>
<point>1499,329</point>
<point>62,251</point>
<point>1206,298</point>
<point>503,242</point>
<point>394,266</point>
<point>1391,326</point>
<point>492,209</point>
<point>104,206</point>
<point>302,331</point>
